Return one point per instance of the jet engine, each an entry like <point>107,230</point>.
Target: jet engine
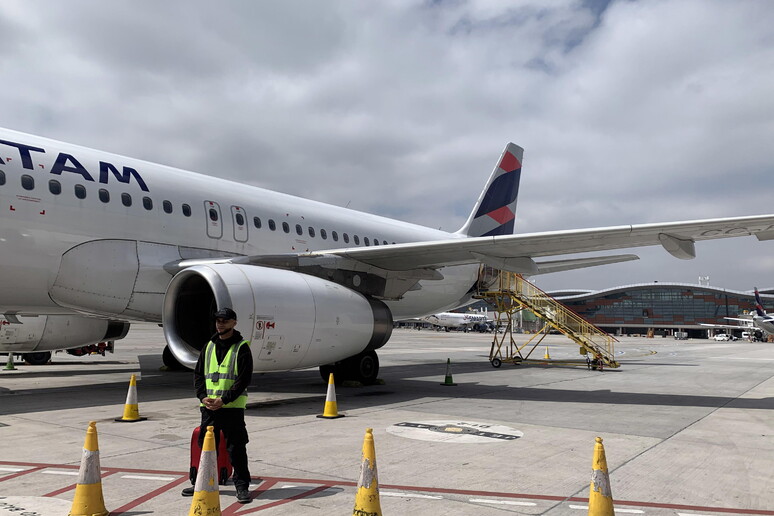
<point>36,337</point>
<point>292,320</point>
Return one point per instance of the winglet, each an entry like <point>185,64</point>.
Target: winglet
<point>495,210</point>
<point>758,304</point>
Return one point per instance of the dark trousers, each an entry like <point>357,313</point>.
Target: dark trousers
<point>232,422</point>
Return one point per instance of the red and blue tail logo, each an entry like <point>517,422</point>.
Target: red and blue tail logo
<point>495,211</point>
<point>758,304</point>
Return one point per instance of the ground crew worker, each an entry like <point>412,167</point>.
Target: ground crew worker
<point>223,373</point>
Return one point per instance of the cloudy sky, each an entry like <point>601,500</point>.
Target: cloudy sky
<point>629,111</point>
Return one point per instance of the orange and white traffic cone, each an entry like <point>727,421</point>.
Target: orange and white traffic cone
<point>546,356</point>
<point>206,498</point>
<point>88,500</point>
<point>331,410</point>
<point>600,495</point>
<point>131,408</point>
<point>367,498</point>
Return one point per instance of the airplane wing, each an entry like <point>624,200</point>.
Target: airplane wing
<point>397,268</point>
<point>516,252</point>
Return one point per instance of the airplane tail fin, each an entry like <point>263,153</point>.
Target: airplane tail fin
<point>495,210</point>
<point>758,304</point>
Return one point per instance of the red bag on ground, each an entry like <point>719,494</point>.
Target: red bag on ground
<point>224,463</point>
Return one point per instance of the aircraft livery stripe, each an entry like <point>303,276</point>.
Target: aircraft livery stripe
<point>501,192</point>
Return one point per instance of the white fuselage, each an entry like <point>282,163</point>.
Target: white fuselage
<point>455,320</point>
<point>55,197</point>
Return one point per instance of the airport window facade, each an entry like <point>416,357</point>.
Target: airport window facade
<point>660,306</point>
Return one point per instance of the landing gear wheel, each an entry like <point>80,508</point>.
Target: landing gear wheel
<point>496,362</point>
<point>38,358</point>
<point>326,370</point>
<point>170,361</point>
<point>363,367</point>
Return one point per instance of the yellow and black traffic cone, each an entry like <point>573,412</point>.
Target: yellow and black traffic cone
<point>546,356</point>
<point>600,495</point>
<point>331,410</point>
<point>88,500</point>
<point>448,380</point>
<point>131,408</point>
<point>206,497</point>
<point>367,498</point>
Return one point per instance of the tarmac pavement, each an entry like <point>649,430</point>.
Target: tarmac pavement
<point>688,428</point>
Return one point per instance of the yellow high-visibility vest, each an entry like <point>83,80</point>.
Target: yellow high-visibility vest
<point>220,377</point>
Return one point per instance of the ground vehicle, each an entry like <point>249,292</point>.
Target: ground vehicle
<point>724,336</point>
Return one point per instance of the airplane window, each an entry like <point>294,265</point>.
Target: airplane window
<point>346,238</point>
<point>299,229</point>
<point>2,177</point>
<point>147,203</point>
<point>213,214</point>
<point>323,234</point>
<point>393,243</point>
<point>104,195</point>
<point>186,210</point>
<point>240,219</point>
<point>80,191</point>
<point>168,209</point>
<point>311,231</point>
<point>356,239</point>
<point>126,199</point>
<point>376,242</point>
<point>335,236</point>
<point>55,187</point>
<point>366,241</point>
<point>272,225</point>
<point>285,227</point>
<point>28,182</point>
<point>384,242</point>
<point>257,222</point>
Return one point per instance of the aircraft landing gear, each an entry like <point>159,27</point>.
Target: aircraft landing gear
<point>363,368</point>
<point>37,358</point>
<point>170,361</point>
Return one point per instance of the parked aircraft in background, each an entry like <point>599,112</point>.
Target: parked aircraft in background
<point>91,241</point>
<point>466,320</point>
<point>758,321</point>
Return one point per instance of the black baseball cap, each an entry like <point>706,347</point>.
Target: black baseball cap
<point>225,313</point>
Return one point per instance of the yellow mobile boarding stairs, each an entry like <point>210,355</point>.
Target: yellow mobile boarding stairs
<point>514,294</point>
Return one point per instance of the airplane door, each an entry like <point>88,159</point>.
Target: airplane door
<point>239,219</point>
<point>214,222</point>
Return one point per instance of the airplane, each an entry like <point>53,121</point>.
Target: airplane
<point>449,320</point>
<point>93,241</point>
<point>760,320</point>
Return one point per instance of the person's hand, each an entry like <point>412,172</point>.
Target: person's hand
<point>213,403</point>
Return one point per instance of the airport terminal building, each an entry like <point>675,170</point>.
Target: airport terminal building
<point>662,307</point>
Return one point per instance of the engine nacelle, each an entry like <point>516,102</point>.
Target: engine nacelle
<point>292,320</point>
<point>51,332</point>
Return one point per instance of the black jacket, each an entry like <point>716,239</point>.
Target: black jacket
<point>244,366</point>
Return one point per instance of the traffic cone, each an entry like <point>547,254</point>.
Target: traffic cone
<point>88,500</point>
<point>131,409</point>
<point>600,496</point>
<point>448,380</point>
<point>367,498</point>
<point>331,410</point>
<point>546,356</point>
<point>9,365</point>
<point>206,498</point>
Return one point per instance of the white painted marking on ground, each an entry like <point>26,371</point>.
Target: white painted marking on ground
<point>54,472</point>
<point>12,469</point>
<point>409,495</point>
<point>691,514</point>
<point>502,502</point>
<point>579,507</point>
<point>144,477</point>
